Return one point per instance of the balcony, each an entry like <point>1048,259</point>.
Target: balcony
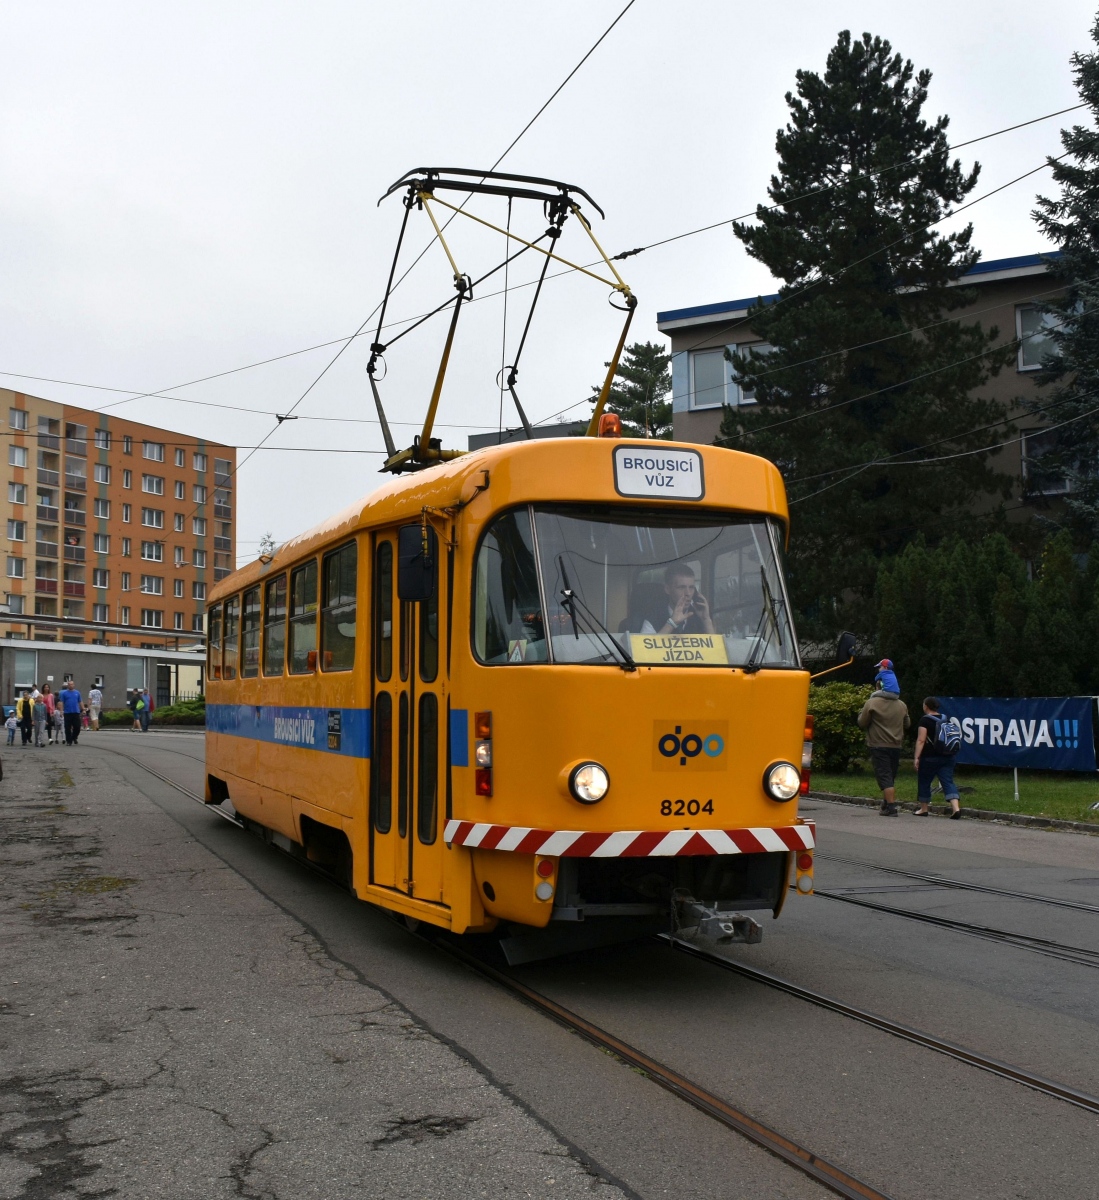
<point>46,549</point>
<point>74,516</point>
<point>76,446</point>
<point>73,589</point>
<point>46,512</point>
<point>49,586</point>
<point>49,442</point>
<point>221,479</point>
<point>221,573</point>
<point>50,478</point>
<point>222,511</point>
<point>74,553</point>
<point>221,543</point>
<point>75,483</point>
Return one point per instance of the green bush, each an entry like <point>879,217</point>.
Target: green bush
<point>837,740</point>
<point>190,712</point>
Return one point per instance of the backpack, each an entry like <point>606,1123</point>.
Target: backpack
<point>948,736</point>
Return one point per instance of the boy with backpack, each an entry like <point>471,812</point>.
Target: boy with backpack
<point>938,740</point>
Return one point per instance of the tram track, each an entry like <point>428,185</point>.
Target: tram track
<point>1080,955</point>
<point>830,1175</point>
<point>960,884</point>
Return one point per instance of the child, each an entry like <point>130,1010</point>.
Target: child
<point>886,677</point>
<point>11,725</point>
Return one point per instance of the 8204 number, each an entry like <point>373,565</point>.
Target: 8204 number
<point>677,808</point>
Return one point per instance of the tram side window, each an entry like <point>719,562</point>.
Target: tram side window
<point>249,634</point>
<point>338,613</point>
<point>383,611</point>
<point>213,642</point>
<point>508,626</point>
<point>274,627</point>
<point>303,619</point>
<point>230,637</point>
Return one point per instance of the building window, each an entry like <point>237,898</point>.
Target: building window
<point>124,614</point>
<point>127,444</point>
<point>199,559</point>
<point>102,509</point>
<point>737,393</point>
<point>101,543</point>
<point>102,439</point>
<point>153,484</point>
<point>17,568</point>
<point>126,543</point>
<point>153,451</point>
<point>101,612</point>
<point>198,526</point>
<point>101,473</point>
<point>153,517</point>
<point>177,589</point>
<point>126,513</point>
<point>17,493</point>
<point>198,493</point>
<point>15,603</point>
<point>100,578</point>
<point>177,524</point>
<point>177,621</point>
<point>179,458</point>
<point>1032,328</point>
<point>17,456</point>
<point>198,461</point>
<point>152,551</point>
<point>196,623</point>
<point>223,471</point>
<point>181,559</point>
<point>152,585</point>
<point>1039,481</point>
<point>127,479</point>
<point>152,618</point>
<point>198,591</point>
<point>17,531</point>
<point>125,581</point>
<point>17,418</point>
<point>181,490</point>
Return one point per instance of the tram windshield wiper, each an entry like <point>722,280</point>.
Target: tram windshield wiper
<point>761,643</point>
<point>570,602</point>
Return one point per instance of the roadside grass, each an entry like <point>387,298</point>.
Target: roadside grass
<point>1063,795</point>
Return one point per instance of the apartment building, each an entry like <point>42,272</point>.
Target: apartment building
<point>114,529</point>
<point>1008,292</point>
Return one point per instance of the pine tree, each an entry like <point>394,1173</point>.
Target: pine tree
<point>865,363</point>
<point>1071,222</point>
<point>641,399</point>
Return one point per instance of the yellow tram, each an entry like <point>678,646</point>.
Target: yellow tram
<point>553,684</point>
<point>547,682</point>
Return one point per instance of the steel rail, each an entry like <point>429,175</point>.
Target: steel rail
<point>215,808</point>
<point>827,1173</point>
<point>1080,955</point>
<point>973,1058</point>
<point>943,881</point>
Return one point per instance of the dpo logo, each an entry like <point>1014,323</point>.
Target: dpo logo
<point>691,745</point>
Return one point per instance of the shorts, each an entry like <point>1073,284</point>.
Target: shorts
<point>95,713</point>
<point>886,764</point>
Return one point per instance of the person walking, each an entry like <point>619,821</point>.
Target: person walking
<point>71,702</point>
<point>935,759</point>
<point>40,715</point>
<point>95,706</point>
<point>884,718</point>
<point>24,709</point>
<point>11,724</point>
<point>145,711</point>
<point>131,704</point>
<point>51,714</point>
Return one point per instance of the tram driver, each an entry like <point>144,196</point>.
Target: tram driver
<point>681,609</point>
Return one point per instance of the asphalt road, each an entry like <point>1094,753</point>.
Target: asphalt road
<point>223,1022</point>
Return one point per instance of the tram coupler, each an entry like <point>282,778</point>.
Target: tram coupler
<point>693,921</point>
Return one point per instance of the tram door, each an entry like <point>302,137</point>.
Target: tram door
<point>409,716</point>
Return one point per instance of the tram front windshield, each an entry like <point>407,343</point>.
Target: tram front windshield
<point>604,584</point>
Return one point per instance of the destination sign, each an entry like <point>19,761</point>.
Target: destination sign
<point>679,649</point>
<point>673,474</point>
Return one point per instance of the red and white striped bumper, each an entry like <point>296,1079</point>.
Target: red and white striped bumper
<point>571,843</point>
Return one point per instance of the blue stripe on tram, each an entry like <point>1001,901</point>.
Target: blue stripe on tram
<point>331,730</point>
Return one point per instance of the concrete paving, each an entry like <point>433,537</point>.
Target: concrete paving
<point>168,1031</point>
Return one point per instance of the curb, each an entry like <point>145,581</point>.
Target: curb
<point>976,814</point>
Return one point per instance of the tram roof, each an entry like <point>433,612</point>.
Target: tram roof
<point>558,470</point>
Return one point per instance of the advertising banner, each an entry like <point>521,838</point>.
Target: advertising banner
<point>1044,733</point>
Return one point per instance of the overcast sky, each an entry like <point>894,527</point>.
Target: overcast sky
<point>191,188</point>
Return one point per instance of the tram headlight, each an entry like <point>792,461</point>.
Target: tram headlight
<point>782,781</point>
<point>588,782</point>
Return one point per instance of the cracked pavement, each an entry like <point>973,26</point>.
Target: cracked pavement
<point>168,1031</point>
